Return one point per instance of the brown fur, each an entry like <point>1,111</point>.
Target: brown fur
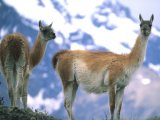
<point>14,43</point>
<point>55,58</point>
<point>14,59</point>
<point>133,57</point>
<point>65,65</point>
<point>37,52</point>
<point>17,61</point>
<point>95,61</point>
<point>45,34</point>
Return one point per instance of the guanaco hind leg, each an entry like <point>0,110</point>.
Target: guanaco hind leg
<point>70,90</point>
<point>9,74</point>
<point>20,67</point>
<point>11,90</point>
<point>25,91</point>
<point>119,99</point>
<point>112,101</point>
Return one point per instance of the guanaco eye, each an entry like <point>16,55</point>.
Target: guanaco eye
<point>44,31</point>
<point>51,31</point>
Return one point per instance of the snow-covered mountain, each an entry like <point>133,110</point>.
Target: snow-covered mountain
<point>97,25</point>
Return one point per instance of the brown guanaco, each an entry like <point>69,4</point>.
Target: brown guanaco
<point>98,72</point>
<point>17,61</point>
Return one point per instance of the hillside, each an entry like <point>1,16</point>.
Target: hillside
<point>8,113</point>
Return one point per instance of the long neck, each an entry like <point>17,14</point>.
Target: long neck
<point>137,54</point>
<point>37,51</point>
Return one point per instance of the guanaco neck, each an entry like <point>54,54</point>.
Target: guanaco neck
<point>137,54</point>
<point>37,51</point>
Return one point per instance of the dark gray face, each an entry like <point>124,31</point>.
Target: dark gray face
<point>146,25</point>
<point>47,32</point>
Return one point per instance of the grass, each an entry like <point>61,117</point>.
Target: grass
<point>14,113</point>
<point>131,118</point>
<point>154,118</point>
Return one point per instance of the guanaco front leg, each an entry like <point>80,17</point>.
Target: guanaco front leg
<point>119,99</point>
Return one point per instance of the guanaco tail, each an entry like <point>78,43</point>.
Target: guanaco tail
<point>17,61</point>
<point>99,72</point>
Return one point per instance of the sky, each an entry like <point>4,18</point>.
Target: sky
<point>145,7</point>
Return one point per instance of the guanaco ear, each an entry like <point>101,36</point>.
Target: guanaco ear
<point>40,25</point>
<point>152,18</point>
<point>140,18</point>
<point>50,25</point>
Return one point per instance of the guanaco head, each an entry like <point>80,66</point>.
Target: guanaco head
<point>46,31</point>
<point>146,25</point>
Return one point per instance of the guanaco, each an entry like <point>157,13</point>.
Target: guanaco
<point>17,61</point>
<point>99,72</point>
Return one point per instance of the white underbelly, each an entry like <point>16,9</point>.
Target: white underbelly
<point>94,88</point>
<point>93,82</point>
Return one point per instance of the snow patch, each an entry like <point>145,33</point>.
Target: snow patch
<point>145,81</point>
<point>49,104</point>
<point>44,75</point>
<point>154,67</point>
